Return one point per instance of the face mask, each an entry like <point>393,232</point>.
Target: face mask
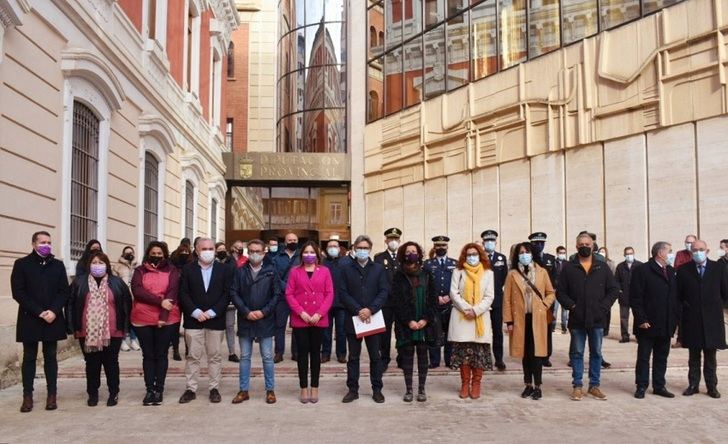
<point>221,255</point>
<point>670,258</point>
<point>585,251</point>
<point>362,254</point>
<point>291,246</point>
<point>525,259</point>
<point>537,247</point>
<point>699,256</point>
<point>561,257</point>
<point>154,260</point>
<point>441,251</point>
<point>688,245</point>
<point>603,253</point>
<point>43,250</point>
<point>273,248</point>
<point>309,259</point>
<point>129,257</point>
<point>393,245</point>
<point>489,246</point>
<point>412,258</point>
<point>333,252</point>
<point>98,270</point>
<point>473,260</point>
<point>207,256</point>
<point>721,253</point>
<point>255,258</point>
<point>629,258</point>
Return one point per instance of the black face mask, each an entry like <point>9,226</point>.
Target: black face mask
<point>441,251</point>
<point>585,251</point>
<point>129,257</point>
<point>291,246</point>
<point>155,260</point>
<point>183,257</point>
<point>221,255</point>
<point>537,248</point>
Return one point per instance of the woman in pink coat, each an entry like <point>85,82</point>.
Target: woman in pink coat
<point>309,293</point>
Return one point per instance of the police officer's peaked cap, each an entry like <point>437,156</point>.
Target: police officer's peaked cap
<point>538,236</point>
<point>441,239</point>
<point>489,235</point>
<point>393,232</point>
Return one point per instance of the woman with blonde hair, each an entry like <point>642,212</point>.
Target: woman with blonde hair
<point>527,299</point>
<point>472,293</point>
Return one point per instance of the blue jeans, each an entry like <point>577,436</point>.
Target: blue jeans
<point>266,352</point>
<point>564,315</point>
<point>576,354</point>
<point>337,318</point>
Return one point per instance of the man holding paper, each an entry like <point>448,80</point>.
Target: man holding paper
<point>364,289</point>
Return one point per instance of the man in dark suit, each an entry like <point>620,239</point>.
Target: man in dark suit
<point>40,286</point>
<point>388,259</point>
<point>653,299</point>
<point>364,289</point>
<point>702,290</point>
<point>499,265</point>
<point>204,294</point>
<point>441,267</point>
<point>623,275</point>
<point>284,261</point>
<point>548,262</point>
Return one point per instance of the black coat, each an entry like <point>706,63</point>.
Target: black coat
<point>192,295</point>
<point>623,275</point>
<point>362,287</point>
<point>702,325</point>
<point>260,293</point>
<point>499,265</point>
<point>77,303</point>
<point>333,265</point>
<point>587,296</point>
<point>653,299</point>
<point>391,266</point>
<point>38,285</point>
<point>403,295</point>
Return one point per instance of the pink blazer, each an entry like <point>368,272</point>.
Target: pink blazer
<point>312,295</point>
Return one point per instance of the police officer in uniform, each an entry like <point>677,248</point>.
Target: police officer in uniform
<point>388,258</point>
<point>441,267</point>
<point>548,262</point>
<point>499,264</point>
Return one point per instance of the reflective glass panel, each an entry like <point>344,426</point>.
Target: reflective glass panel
<point>653,5</point>
<point>434,62</point>
<point>434,11</point>
<point>616,12</point>
<point>484,40</point>
<point>512,32</point>
<point>413,72</point>
<point>375,90</point>
<point>458,51</point>
<point>376,28</point>
<point>393,23</point>
<point>335,10</point>
<point>314,11</point>
<point>543,27</point>
<point>579,19</point>
<point>412,18</point>
<point>393,81</point>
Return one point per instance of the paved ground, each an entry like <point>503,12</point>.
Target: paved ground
<point>501,415</point>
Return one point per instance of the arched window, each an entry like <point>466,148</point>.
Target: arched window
<point>373,105</point>
<point>84,178</point>
<point>151,198</point>
<point>372,36</point>
<point>231,60</point>
<point>381,39</point>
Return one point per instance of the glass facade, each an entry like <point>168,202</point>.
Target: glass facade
<point>419,49</point>
<point>312,77</point>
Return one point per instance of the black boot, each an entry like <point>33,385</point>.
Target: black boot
<point>148,398</point>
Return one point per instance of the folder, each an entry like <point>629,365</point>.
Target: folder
<point>374,327</point>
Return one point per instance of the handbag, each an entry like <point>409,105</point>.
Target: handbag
<point>549,311</point>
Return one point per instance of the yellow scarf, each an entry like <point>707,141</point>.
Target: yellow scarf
<point>472,295</point>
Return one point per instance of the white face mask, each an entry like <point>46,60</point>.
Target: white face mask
<point>629,258</point>
<point>207,256</point>
<point>561,257</point>
<point>393,244</point>
<point>721,253</point>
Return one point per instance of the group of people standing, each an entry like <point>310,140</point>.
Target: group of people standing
<point>431,301</point>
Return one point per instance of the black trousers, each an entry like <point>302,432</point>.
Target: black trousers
<point>154,342</point>
<point>435,351</point>
<point>624,321</point>
<point>50,366</point>
<point>407,359</point>
<point>108,358</point>
<point>532,365</point>
<point>281,316</point>
<point>385,342</point>
<point>709,367</point>
<point>659,348</point>
<point>608,322</point>
<point>309,340</point>
<point>375,362</point>
<point>496,318</point>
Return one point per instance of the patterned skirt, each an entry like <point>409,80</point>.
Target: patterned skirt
<point>473,354</point>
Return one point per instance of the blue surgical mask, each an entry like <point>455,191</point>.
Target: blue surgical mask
<point>525,259</point>
<point>671,258</point>
<point>273,248</point>
<point>473,259</point>
<point>362,254</point>
<point>561,257</point>
<point>489,246</point>
<point>333,252</point>
<point>629,258</point>
<point>699,256</point>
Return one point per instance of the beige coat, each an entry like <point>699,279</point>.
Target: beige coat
<point>462,329</point>
<point>514,310</point>
<point>124,270</point>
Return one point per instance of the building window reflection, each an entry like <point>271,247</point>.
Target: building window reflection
<point>433,46</point>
